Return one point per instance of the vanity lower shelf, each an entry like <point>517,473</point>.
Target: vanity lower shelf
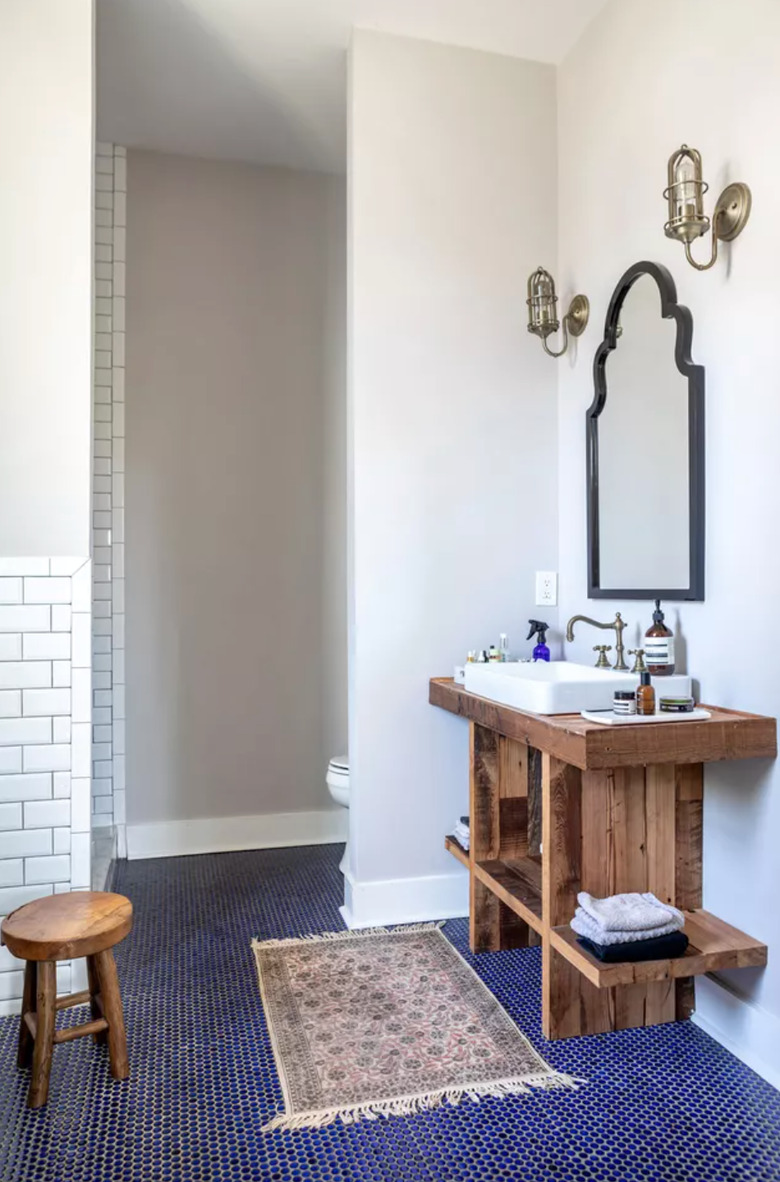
<point>714,945</point>
<point>517,882</point>
<point>456,849</point>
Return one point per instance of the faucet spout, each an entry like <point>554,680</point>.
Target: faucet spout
<point>617,625</point>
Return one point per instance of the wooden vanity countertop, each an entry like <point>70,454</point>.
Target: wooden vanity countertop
<point>727,734</point>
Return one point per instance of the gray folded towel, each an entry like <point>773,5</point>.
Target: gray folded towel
<point>584,925</point>
<point>629,912</point>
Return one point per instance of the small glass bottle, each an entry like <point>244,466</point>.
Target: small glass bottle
<point>645,695</point>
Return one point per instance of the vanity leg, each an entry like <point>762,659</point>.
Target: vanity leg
<point>571,1005</point>
<point>484,915</point>
<point>498,810</point>
<point>689,816</point>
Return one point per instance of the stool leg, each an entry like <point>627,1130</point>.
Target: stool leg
<point>112,1011</point>
<point>94,990</point>
<point>25,1053</point>
<point>46,997</point>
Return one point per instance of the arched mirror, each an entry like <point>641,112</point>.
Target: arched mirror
<point>645,441</point>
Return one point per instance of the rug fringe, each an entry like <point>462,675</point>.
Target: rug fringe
<point>424,1102</point>
<point>357,934</point>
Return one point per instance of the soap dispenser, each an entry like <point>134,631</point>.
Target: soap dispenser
<point>659,645</point>
<point>539,629</point>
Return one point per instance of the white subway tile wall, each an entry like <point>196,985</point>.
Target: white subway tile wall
<point>44,814</point>
<point>108,587</point>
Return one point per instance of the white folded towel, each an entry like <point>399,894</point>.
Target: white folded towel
<point>461,833</point>
<point>585,926</point>
<point>631,912</point>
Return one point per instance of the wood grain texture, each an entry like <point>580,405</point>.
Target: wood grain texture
<point>517,884</point>
<point>629,829</point>
<point>513,798</point>
<point>456,849</point>
<point>93,994</point>
<point>112,1008</point>
<point>628,1004</point>
<point>484,917</point>
<point>485,836</point>
<point>689,858</point>
<point>24,1053</point>
<point>562,1011</point>
<point>597,858</point>
<point>514,930</point>
<point>685,998</point>
<point>45,1010</point>
<point>534,802</point>
<point>660,804</point>
<point>562,840</point>
<point>728,734</point>
<point>62,927</point>
<point>95,1026</point>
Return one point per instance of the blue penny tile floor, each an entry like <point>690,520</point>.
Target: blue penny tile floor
<point>661,1105</point>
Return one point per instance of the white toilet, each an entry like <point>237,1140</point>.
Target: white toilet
<point>338,786</point>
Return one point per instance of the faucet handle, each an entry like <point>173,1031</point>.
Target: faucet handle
<point>602,650</point>
<point>639,665</point>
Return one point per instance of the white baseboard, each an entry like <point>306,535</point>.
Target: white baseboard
<point>404,900</point>
<point>742,1027</point>
<point>214,835</point>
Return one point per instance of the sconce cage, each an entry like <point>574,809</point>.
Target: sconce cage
<point>685,197</point>
<point>542,311</point>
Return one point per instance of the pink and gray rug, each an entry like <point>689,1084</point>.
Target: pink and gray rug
<point>383,1023</point>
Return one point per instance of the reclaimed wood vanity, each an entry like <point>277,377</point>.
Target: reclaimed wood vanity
<point>559,805</point>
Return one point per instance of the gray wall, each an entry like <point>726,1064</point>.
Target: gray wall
<point>233,290</point>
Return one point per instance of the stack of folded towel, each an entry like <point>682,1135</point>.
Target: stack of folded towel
<point>461,832</point>
<point>629,927</point>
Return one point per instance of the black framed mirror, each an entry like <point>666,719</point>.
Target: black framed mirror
<point>645,447</point>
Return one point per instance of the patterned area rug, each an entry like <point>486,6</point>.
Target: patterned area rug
<point>383,1023</point>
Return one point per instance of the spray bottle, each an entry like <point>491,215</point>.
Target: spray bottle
<point>541,652</point>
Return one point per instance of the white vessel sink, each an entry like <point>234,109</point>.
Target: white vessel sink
<point>559,687</point>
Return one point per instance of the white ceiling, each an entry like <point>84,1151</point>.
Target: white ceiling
<point>265,80</point>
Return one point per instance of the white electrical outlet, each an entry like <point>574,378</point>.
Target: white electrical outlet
<point>546,588</point>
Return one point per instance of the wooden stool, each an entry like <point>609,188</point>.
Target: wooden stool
<point>64,927</point>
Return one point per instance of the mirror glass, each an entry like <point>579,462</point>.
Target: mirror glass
<point>644,526</point>
<point>645,447</point>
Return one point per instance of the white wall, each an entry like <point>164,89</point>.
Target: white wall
<point>645,78</point>
<point>231,295</point>
<point>452,177</point>
<point>46,129</point>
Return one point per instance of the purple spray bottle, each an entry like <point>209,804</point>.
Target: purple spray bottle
<point>538,628</point>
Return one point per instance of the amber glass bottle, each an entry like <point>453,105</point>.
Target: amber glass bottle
<point>659,645</point>
<point>645,695</point>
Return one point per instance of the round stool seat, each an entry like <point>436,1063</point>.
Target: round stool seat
<point>61,927</point>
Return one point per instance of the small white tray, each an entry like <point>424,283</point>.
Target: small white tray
<point>609,719</point>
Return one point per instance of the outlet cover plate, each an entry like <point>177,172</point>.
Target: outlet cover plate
<point>546,588</point>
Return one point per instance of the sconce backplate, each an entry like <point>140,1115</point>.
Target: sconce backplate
<point>732,211</point>
<point>577,316</point>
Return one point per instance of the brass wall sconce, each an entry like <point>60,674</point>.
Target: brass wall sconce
<point>687,219</point>
<point>542,317</point>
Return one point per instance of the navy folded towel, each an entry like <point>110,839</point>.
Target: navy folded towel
<point>657,948</point>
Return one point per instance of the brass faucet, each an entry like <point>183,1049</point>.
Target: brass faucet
<point>618,624</point>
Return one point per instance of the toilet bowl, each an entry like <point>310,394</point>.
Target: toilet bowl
<point>338,786</point>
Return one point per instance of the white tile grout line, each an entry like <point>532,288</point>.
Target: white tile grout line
<point>108,800</point>
<point>44,778</point>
